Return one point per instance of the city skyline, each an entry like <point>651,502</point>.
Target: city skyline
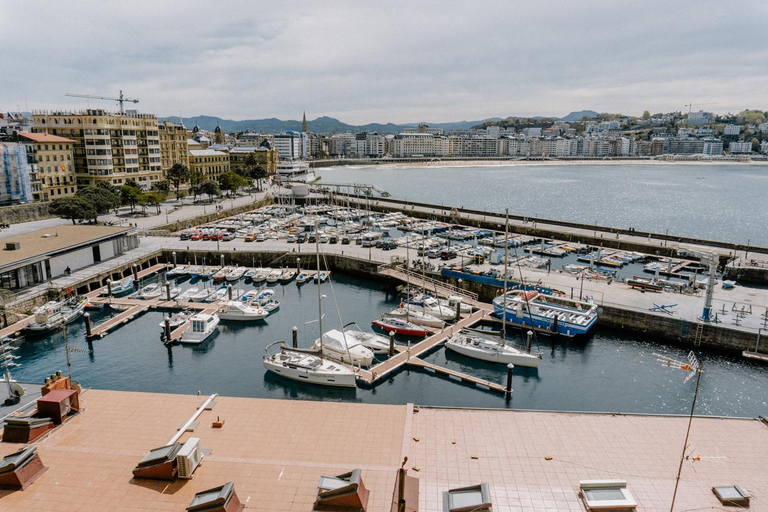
<point>425,62</point>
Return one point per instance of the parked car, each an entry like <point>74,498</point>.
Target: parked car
<point>250,237</point>
<point>345,240</point>
<point>185,236</point>
<point>291,239</point>
<point>261,238</point>
<point>389,245</point>
<point>301,238</point>
<point>333,239</point>
<point>447,254</point>
<point>196,236</point>
<point>227,237</point>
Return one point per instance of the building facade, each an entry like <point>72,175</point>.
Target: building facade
<point>210,163</point>
<point>15,185</point>
<point>173,145</point>
<point>51,170</point>
<point>740,147</point>
<point>288,145</point>
<point>265,157</point>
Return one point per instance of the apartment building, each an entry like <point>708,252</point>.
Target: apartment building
<point>15,185</point>
<point>51,169</point>
<point>288,145</point>
<point>419,144</point>
<point>732,129</point>
<point>173,145</point>
<point>740,147</point>
<point>713,147</point>
<point>265,156</point>
<point>210,163</point>
<point>108,147</point>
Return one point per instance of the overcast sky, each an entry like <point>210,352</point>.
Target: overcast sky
<point>362,62</point>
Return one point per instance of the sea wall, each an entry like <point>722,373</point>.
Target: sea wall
<point>24,213</point>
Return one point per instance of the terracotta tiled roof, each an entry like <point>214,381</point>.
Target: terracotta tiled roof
<point>44,137</point>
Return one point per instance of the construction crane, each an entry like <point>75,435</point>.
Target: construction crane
<point>120,100</point>
<point>689,105</point>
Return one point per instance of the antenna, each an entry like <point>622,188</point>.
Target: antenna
<point>7,361</point>
<point>694,368</point>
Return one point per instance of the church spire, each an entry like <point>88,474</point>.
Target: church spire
<point>304,124</point>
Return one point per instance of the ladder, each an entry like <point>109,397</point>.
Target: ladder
<point>699,334</point>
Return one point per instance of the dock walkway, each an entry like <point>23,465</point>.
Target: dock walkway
<point>123,318</point>
<point>493,386</point>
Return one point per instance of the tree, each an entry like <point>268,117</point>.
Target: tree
<point>162,187</point>
<point>101,198</point>
<point>73,208</point>
<point>153,199</point>
<point>178,174</point>
<point>231,181</point>
<point>259,174</point>
<point>196,177</point>
<point>209,187</point>
<point>131,195</point>
<point>646,115</point>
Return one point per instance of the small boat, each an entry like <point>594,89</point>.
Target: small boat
<point>274,276</point>
<point>124,287</point>
<point>337,346</point>
<point>52,315</point>
<point>307,366</point>
<point>322,276</point>
<point>151,291</point>
<point>302,278</point>
<point>416,316</point>
<point>644,285</point>
<point>259,275</point>
<point>249,296</point>
<point>728,285</point>
<point>236,310</point>
<point>202,295</point>
<point>264,296</point>
<point>236,273</point>
<point>376,343</point>
<point>206,274</point>
<point>271,306</point>
<point>188,293</point>
<point>222,274</point>
<point>287,276</point>
<point>194,272</point>
<point>249,274</point>
<point>399,326</point>
<point>202,327</point>
<point>177,271</point>
<point>449,303</point>
<point>177,320</point>
<point>217,294</point>
<point>94,306</point>
<point>174,292</point>
<point>491,350</point>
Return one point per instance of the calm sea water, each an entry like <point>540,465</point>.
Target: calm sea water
<point>608,371</point>
<point>713,201</point>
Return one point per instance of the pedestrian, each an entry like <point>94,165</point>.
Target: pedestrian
<point>68,270</point>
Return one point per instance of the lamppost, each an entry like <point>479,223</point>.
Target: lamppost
<point>166,215</point>
<point>298,265</point>
<point>746,252</point>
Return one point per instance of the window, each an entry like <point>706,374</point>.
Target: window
<point>732,495</point>
<point>606,494</point>
<point>467,499</point>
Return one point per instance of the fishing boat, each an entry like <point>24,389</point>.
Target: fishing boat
<point>206,274</point>
<point>202,295</point>
<point>337,346</point>
<point>399,326</point>
<point>124,287</point>
<point>55,314</point>
<point>237,310</point>
<point>236,273</point>
<point>302,278</point>
<point>151,291</point>
<point>221,275</point>
<point>264,296</point>
<point>271,306</point>
<point>250,274</point>
<point>188,293</point>
<point>412,314</point>
<point>177,320</point>
<point>260,275</point>
<point>249,296</point>
<point>567,317</point>
<point>376,343</point>
<point>491,350</point>
<point>217,294</point>
<point>202,327</point>
<point>307,366</point>
<point>728,285</point>
<point>178,271</point>
<point>274,276</point>
<point>194,272</point>
<point>321,276</point>
<point>287,276</point>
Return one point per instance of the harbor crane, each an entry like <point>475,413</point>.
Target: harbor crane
<point>120,100</point>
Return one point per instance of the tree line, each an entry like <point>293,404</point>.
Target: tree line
<point>91,201</point>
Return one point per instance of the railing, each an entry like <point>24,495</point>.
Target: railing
<point>455,290</point>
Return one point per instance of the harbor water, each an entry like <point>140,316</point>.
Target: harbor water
<point>606,371</point>
<point>723,202</point>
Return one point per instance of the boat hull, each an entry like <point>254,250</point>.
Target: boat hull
<point>523,359</point>
<point>399,330</point>
<point>301,375</point>
<point>544,323</point>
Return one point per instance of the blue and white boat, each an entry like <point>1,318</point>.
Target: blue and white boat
<point>567,317</point>
<point>124,287</point>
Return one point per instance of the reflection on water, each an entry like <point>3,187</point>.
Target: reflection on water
<point>607,371</point>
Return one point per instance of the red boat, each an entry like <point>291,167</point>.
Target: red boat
<point>399,326</point>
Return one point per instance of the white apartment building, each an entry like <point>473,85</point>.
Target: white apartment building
<point>763,128</point>
<point>764,147</point>
<point>700,117</point>
<point>740,147</point>
<point>532,132</point>
<point>423,128</point>
<point>628,146</point>
<point>419,144</point>
<point>731,129</point>
<point>713,147</point>
<point>703,131</point>
<point>288,145</point>
<point>685,132</point>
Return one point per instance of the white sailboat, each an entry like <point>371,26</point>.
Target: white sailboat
<point>418,317</point>
<point>337,345</point>
<point>375,342</point>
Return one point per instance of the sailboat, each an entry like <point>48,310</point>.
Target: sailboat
<point>468,343</point>
<point>309,365</point>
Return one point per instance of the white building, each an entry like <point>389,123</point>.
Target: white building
<point>740,147</point>
<point>423,128</point>
<point>288,145</point>
<point>532,132</point>
<point>419,145</point>
<point>764,147</point>
<point>700,117</point>
<point>703,131</point>
<point>763,128</point>
<point>731,129</point>
<point>713,147</point>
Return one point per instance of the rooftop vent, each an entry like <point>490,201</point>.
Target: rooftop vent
<point>342,492</point>
<point>475,498</point>
<point>12,246</point>
<point>732,495</point>
<point>20,469</point>
<point>219,499</point>
<point>606,494</point>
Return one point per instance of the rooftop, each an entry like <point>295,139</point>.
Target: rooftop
<point>51,240</point>
<point>44,137</point>
<point>206,152</point>
<point>276,450</point>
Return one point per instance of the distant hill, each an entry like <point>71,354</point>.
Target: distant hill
<point>576,116</point>
<point>320,125</point>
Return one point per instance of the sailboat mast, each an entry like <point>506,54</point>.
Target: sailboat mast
<point>319,296</point>
<point>407,281</point>
<point>504,299</point>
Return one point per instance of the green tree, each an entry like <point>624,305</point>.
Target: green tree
<point>131,195</point>
<point>102,199</point>
<point>646,115</point>
<point>209,187</point>
<point>73,208</point>
<point>231,181</point>
<point>259,174</point>
<point>178,174</point>
<point>750,117</point>
<point>162,187</point>
<point>153,199</point>
<point>196,177</point>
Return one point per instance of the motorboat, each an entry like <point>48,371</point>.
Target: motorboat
<point>271,306</point>
<point>151,291</point>
<point>307,366</point>
<point>260,274</point>
<point>418,317</point>
<point>177,271</point>
<point>642,284</point>
<point>274,276</point>
<point>194,272</point>
<point>202,295</point>
<point>728,285</point>
<point>124,287</point>
<point>237,310</point>
<point>202,326</point>
<point>264,296</point>
<point>302,278</point>
<point>337,346</point>
<point>217,294</point>
<point>449,304</point>
<point>207,273</point>
<point>491,350</point>
<point>438,311</point>
<point>188,293</point>
<point>321,276</point>
<point>287,276</point>
<point>177,320</point>
<point>567,317</point>
<point>54,314</point>
<point>399,326</point>
<point>249,296</point>
<point>174,292</point>
<point>249,274</point>
<point>236,273</point>
<point>376,343</point>
<point>222,274</point>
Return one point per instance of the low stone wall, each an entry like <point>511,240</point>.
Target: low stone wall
<point>24,213</point>
<point>745,273</point>
<point>211,217</point>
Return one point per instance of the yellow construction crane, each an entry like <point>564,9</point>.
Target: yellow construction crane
<point>119,99</point>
